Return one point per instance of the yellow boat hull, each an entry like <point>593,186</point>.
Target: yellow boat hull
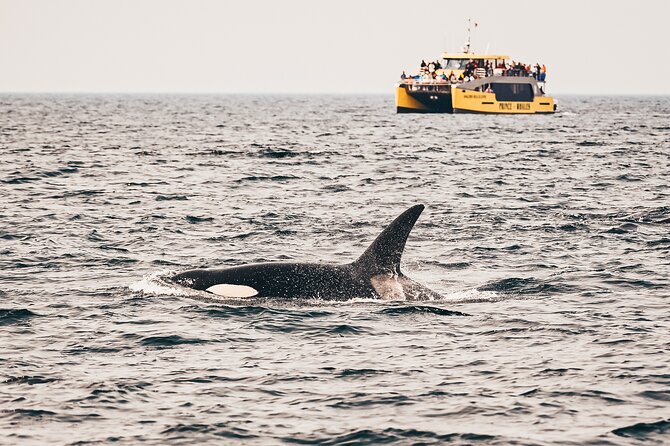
<point>456,100</point>
<point>468,101</point>
<point>425,101</point>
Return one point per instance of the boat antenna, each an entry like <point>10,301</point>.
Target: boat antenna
<point>466,48</point>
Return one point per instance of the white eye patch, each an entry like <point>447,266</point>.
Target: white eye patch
<point>229,290</point>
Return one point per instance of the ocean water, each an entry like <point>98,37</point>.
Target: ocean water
<point>548,236</point>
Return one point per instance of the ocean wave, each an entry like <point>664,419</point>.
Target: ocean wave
<point>525,286</point>
<point>386,436</point>
<point>420,309</point>
<point>15,315</point>
<point>193,219</point>
<point>270,152</point>
<point>644,431</point>
<point>169,341</point>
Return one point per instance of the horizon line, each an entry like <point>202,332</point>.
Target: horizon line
<point>279,93</point>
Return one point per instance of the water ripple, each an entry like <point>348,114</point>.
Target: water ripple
<point>547,237</point>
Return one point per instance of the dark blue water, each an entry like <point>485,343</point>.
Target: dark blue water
<point>548,236</point>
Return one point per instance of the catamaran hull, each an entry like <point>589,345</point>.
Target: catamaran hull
<point>424,101</point>
<point>441,98</point>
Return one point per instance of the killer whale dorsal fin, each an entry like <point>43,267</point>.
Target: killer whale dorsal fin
<point>383,255</point>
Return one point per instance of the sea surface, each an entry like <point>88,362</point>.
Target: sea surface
<point>548,237</point>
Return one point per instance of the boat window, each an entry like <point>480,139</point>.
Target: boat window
<point>455,64</point>
<point>512,92</point>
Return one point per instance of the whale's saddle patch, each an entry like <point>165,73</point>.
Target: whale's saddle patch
<point>388,287</point>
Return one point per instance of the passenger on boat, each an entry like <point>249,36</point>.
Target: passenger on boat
<point>473,69</point>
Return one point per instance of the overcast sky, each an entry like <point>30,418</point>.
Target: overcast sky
<point>303,46</point>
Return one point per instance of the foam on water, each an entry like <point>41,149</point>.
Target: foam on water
<point>472,295</point>
<point>158,284</point>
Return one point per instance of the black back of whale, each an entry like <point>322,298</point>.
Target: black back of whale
<point>377,270</point>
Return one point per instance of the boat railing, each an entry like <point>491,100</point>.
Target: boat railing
<point>478,75</point>
<point>440,85</point>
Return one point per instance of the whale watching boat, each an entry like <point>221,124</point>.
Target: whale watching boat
<point>468,82</point>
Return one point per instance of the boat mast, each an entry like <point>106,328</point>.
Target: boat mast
<point>466,48</point>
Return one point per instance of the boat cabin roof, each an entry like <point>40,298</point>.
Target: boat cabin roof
<point>472,56</point>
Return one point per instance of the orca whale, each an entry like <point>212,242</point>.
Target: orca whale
<point>375,274</point>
